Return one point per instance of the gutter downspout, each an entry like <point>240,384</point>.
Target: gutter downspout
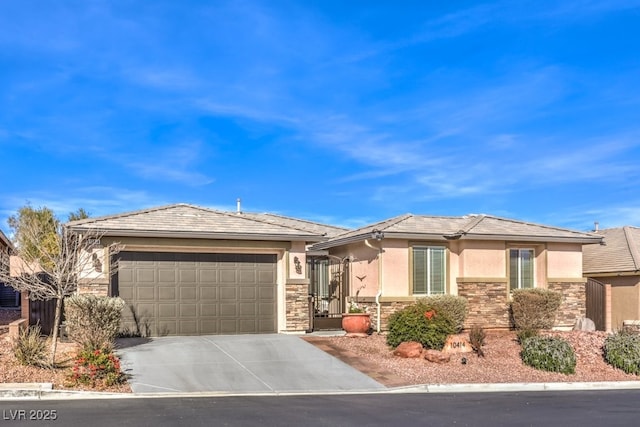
<point>379,294</point>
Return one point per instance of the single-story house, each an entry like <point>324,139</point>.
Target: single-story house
<point>616,265</point>
<point>480,257</point>
<point>188,270</point>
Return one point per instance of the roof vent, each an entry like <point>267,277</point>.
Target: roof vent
<point>596,226</point>
<point>238,208</point>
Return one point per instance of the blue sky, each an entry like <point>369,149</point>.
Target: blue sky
<point>338,112</point>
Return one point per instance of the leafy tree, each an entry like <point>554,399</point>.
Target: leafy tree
<point>55,259</point>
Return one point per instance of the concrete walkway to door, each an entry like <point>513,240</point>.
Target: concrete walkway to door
<point>236,364</point>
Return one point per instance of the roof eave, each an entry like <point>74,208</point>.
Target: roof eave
<point>204,235</point>
<point>456,236</point>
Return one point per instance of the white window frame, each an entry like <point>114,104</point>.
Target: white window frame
<point>429,287</point>
<point>518,273</point>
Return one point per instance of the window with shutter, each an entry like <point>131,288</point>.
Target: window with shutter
<point>429,270</point>
<point>521,274</point>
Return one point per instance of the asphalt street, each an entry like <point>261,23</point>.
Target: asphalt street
<point>586,408</point>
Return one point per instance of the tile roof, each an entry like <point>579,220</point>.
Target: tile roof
<point>312,227</point>
<point>478,227</point>
<point>183,220</point>
<point>619,254</point>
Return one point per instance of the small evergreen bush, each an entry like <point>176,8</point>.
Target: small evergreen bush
<point>549,354</point>
<point>96,367</point>
<point>415,323</point>
<point>534,309</point>
<point>30,348</point>
<point>622,351</point>
<point>93,321</point>
<point>453,306</point>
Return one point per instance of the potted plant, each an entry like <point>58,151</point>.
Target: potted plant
<point>357,321</point>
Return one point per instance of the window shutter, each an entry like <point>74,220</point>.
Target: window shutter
<point>419,270</point>
<point>437,272</point>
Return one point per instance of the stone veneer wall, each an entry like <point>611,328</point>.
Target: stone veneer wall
<point>297,304</point>
<point>487,304</point>
<point>387,308</point>
<point>573,304</point>
<point>100,289</point>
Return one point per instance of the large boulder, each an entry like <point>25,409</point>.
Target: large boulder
<point>408,350</point>
<point>584,324</point>
<point>436,356</point>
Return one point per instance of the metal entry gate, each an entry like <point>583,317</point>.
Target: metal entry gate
<point>328,290</point>
<point>596,303</point>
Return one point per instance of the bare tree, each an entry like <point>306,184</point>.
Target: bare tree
<point>53,261</point>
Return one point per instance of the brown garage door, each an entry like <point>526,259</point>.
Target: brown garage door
<point>197,294</point>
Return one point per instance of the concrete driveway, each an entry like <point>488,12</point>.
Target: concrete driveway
<point>236,364</point>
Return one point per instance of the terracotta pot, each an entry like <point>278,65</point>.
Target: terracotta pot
<point>356,324</point>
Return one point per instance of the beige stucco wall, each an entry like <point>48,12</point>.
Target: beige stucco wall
<point>564,260</point>
<point>625,299</point>
<point>483,259</point>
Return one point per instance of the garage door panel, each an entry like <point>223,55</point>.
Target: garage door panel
<point>228,310</point>
<point>191,294</point>
<point>188,293</point>
<point>188,327</point>
<point>266,293</point>
<point>166,276</point>
<point>146,275</point>
<point>167,310</point>
<point>228,276</point>
<point>247,309</point>
<point>188,310</point>
<point>208,293</point>
<point>247,293</point>
<point>208,310</point>
<point>207,276</point>
<point>145,293</point>
<point>246,326</point>
<point>266,310</point>
<point>228,293</point>
<point>266,277</point>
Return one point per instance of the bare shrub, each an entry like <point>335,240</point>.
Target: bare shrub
<point>93,321</point>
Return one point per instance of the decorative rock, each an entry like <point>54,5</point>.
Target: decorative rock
<point>436,356</point>
<point>457,344</point>
<point>584,324</point>
<point>408,350</point>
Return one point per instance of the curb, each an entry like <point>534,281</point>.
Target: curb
<point>44,391</point>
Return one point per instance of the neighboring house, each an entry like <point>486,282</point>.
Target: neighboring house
<point>616,264</point>
<point>188,270</point>
<point>480,257</point>
<point>9,297</point>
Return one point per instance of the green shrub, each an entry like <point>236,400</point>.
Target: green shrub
<point>415,323</point>
<point>95,368</point>
<point>549,354</point>
<point>622,351</point>
<point>524,334</point>
<point>30,348</point>
<point>453,306</point>
<point>477,337</point>
<point>534,309</point>
<point>93,321</point>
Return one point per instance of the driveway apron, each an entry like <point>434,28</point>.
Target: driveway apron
<point>236,364</point>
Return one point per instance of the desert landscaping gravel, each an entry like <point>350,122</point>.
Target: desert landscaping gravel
<point>501,364</point>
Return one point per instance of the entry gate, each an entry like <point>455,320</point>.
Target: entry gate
<point>596,303</point>
<point>328,291</point>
